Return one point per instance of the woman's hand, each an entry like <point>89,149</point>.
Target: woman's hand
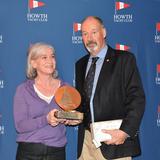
<point>52,120</point>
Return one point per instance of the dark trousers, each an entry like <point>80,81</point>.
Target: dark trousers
<point>39,151</point>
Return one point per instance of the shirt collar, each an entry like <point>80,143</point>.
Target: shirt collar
<point>102,53</point>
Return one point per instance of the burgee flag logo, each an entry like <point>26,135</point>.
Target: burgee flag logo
<point>158,27</point>
<point>157,74</point>
<point>35,4</point>
<point>76,27</point>
<point>158,116</point>
<point>121,5</point>
<point>1,39</point>
<point>122,47</point>
<point>158,68</point>
<point>157,34</point>
<point>1,80</point>
<point>1,125</point>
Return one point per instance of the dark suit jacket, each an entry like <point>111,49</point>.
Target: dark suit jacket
<point>119,95</point>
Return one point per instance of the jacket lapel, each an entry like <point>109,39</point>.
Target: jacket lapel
<point>83,69</point>
<point>106,71</point>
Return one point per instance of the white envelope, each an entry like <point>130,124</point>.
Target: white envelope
<point>96,127</point>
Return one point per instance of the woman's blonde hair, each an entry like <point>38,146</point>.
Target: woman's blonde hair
<point>33,53</point>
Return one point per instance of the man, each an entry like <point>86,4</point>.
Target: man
<point>117,93</point>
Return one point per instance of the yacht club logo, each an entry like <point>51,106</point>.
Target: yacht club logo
<point>1,39</point>
<point>1,80</point>
<point>158,74</point>
<point>157,35</point>
<point>1,84</point>
<point>158,116</point>
<point>119,6</point>
<point>1,126</point>
<point>122,47</point>
<point>34,14</point>
<point>76,37</point>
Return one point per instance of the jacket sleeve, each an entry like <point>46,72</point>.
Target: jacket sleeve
<point>135,97</point>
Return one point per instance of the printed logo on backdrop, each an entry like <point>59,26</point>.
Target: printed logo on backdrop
<point>158,74</point>
<point>1,84</point>
<point>122,47</point>
<point>34,11</point>
<point>1,39</point>
<point>76,37</point>
<point>157,35</point>
<point>1,126</point>
<point>1,80</point>
<point>121,12</point>
<point>158,116</point>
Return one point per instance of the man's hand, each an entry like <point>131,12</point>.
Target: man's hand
<point>118,136</point>
<point>53,121</point>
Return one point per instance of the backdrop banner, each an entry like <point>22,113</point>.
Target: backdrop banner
<point>131,25</point>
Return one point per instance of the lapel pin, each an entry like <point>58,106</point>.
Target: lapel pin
<point>107,60</point>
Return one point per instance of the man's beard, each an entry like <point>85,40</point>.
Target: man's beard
<point>91,46</point>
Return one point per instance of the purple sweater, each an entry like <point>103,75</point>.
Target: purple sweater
<point>30,113</point>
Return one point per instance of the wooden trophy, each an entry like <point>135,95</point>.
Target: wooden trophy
<point>68,98</point>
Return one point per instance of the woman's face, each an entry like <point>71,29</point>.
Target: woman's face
<point>45,64</point>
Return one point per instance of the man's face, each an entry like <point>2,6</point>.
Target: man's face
<point>93,35</point>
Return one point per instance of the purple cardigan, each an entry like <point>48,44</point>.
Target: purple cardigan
<point>30,118</point>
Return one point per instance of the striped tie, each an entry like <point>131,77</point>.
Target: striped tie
<point>88,85</point>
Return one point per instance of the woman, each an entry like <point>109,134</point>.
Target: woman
<point>40,135</point>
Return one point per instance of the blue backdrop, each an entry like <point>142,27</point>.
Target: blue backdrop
<point>131,25</point>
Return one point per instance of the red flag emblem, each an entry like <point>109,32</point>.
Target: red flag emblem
<point>158,109</point>
<point>121,5</point>
<point>158,68</point>
<point>122,47</point>
<point>158,27</point>
<point>35,4</point>
<point>76,27</point>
